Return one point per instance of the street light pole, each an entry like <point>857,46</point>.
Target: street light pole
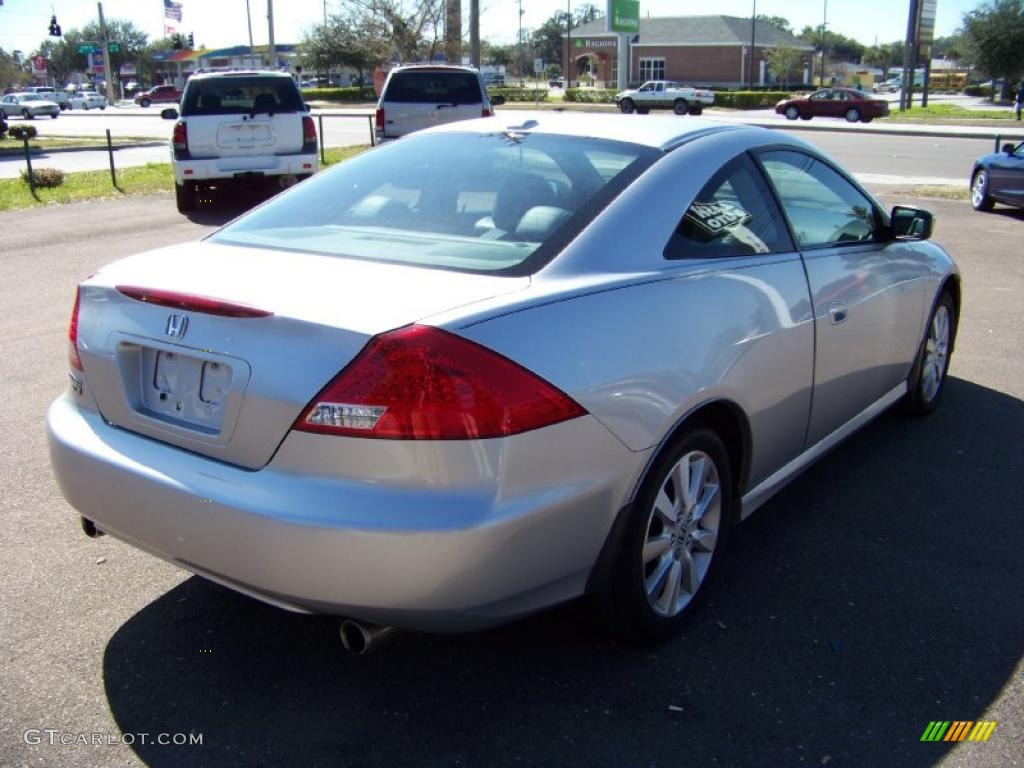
<point>107,74</point>
<point>568,44</point>
<point>753,39</point>
<point>248,18</point>
<point>270,30</point>
<point>824,23</point>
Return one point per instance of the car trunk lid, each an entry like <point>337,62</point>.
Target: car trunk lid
<point>218,348</point>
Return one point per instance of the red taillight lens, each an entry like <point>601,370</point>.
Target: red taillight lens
<point>192,302</point>
<point>379,119</point>
<point>308,132</point>
<point>180,138</point>
<point>73,359</point>
<point>422,383</point>
<point>485,113</point>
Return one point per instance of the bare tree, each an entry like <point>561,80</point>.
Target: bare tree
<point>415,29</point>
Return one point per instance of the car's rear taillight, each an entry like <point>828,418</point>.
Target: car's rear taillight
<point>422,383</point>
<point>379,118</point>
<point>179,141</point>
<point>485,112</point>
<point>73,359</point>
<point>308,135</point>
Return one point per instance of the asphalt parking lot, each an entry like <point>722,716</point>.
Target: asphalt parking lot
<point>880,591</point>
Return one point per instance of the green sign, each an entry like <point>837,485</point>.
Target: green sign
<point>624,16</point>
<point>87,49</point>
<point>114,47</point>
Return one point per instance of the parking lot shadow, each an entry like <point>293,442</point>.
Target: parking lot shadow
<point>878,592</point>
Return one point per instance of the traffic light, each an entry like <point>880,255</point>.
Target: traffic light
<point>191,42</point>
<point>176,42</point>
<point>54,26</point>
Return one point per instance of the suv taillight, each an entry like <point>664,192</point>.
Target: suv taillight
<point>422,383</point>
<point>73,359</point>
<point>308,135</point>
<point>179,141</point>
<point>379,118</point>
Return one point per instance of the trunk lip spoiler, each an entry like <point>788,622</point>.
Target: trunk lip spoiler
<point>191,302</point>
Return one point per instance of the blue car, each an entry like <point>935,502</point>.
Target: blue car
<point>999,178</point>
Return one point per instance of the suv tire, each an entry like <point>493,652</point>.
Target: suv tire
<point>185,196</point>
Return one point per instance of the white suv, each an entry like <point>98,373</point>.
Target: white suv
<point>423,95</point>
<point>240,127</point>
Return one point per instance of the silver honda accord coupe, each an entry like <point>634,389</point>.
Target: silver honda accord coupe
<point>499,365</point>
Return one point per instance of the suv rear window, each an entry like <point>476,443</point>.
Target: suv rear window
<point>233,94</point>
<point>426,87</point>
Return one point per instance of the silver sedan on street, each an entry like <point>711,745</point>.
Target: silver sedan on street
<point>27,105</point>
<point>498,365</point>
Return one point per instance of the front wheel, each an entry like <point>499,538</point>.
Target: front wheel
<point>853,115</point>
<point>145,103</point>
<point>626,106</point>
<point>927,377</point>
<point>54,115</point>
<point>979,191</point>
<point>26,114</point>
<point>680,107</point>
<point>673,539</point>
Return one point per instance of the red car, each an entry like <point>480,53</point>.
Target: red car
<point>848,103</point>
<point>161,93</point>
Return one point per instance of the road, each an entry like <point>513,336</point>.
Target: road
<point>876,158</point>
<point>880,591</point>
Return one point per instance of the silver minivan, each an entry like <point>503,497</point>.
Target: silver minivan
<point>423,95</point>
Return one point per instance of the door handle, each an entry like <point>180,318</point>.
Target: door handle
<point>837,310</point>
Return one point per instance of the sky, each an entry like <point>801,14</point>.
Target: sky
<point>222,23</point>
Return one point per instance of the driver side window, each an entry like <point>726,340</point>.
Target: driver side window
<point>823,207</point>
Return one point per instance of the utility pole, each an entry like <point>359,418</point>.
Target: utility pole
<point>753,40</point>
<point>824,23</point>
<point>248,18</point>
<point>909,59</point>
<point>474,33</point>
<point>568,44</point>
<point>520,39</point>
<point>107,74</point>
<point>453,31</point>
<point>270,28</point>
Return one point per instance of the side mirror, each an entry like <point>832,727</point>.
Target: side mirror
<point>169,114</point>
<point>1008,148</point>
<point>497,101</point>
<point>911,223</point>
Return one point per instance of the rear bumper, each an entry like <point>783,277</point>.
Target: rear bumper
<point>239,166</point>
<point>506,528</point>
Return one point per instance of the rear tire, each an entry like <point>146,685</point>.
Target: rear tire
<point>697,110</point>
<point>185,196</point>
<point>853,115</point>
<point>27,115</point>
<point>680,106</point>
<point>928,376</point>
<point>626,106</point>
<point>674,536</point>
<point>54,115</point>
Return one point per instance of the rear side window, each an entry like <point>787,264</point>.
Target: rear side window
<point>734,215</point>
<point>230,95</point>
<point>425,87</point>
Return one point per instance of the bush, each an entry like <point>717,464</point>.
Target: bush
<point>590,95</point>
<point>22,132</point>
<point>44,177</point>
<point>519,94</point>
<point>351,93</point>
<point>749,99</point>
<point>976,90</point>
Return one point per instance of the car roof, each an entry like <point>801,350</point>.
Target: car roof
<point>240,73</point>
<point>433,68</point>
<point>652,131</point>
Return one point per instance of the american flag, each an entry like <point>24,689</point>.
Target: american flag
<point>172,10</point>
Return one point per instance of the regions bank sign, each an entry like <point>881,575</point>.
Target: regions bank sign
<point>623,16</point>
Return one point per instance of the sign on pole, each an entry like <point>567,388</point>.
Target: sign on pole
<point>623,16</point>
<point>86,48</point>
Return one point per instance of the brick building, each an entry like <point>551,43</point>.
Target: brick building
<point>699,50</point>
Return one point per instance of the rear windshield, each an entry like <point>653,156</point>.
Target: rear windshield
<point>426,87</point>
<point>237,94</point>
<point>499,203</point>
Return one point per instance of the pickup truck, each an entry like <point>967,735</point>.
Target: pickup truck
<point>665,94</point>
<point>61,98</point>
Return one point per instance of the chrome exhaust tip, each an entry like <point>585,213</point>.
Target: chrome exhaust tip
<point>359,638</point>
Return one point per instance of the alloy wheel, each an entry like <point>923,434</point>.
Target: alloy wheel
<point>936,351</point>
<point>682,532</point>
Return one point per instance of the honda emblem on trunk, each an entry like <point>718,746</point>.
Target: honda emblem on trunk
<point>176,326</point>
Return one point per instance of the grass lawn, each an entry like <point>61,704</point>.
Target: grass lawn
<point>151,179</point>
<point>949,114</point>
